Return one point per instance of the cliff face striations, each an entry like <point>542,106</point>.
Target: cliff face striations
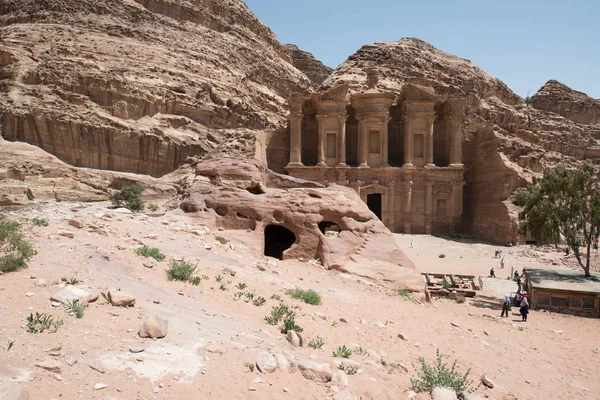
<point>571,104</point>
<point>308,64</point>
<point>138,86</point>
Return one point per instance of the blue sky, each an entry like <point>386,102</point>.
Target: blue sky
<point>523,42</point>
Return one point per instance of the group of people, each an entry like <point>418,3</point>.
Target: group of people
<point>520,300</point>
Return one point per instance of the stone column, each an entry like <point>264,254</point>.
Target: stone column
<point>341,141</point>
<point>428,206</point>
<point>384,142</point>
<point>429,143</point>
<point>408,142</point>
<point>321,140</point>
<point>363,142</point>
<point>457,203</point>
<point>407,206</point>
<point>454,125</point>
<point>295,140</point>
<point>392,206</point>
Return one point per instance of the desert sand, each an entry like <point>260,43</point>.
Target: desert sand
<point>212,337</point>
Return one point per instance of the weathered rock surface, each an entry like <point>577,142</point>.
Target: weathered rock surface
<point>266,362</point>
<point>285,214</point>
<point>315,371</point>
<point>13,391</point>
<point>440,393</point>
<point>314,69</point>
<point>85,294</point>
<point>140,86</point>
<point>155,327</point>
<point>571,104</point>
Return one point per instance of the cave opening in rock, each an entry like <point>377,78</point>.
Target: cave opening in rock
<point>277,240</point>
<point>374,203</point>
<point>329,228</point>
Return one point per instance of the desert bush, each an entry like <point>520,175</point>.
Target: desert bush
<point>76,307</point>
<point>153,207</point>
<point>129,197</point>
<point>221,239</point>
<point>282,312</point>
<point>442,255</point>
<point>40,221</point>
<point>308,296</point>
<point>41,322</point>
<point>439,375</point>
<point>404,293</point>
<point>150,252</point>
<point>316,343</point>
<point>14,249</point>
<point>289,323</point>
<point>342,351</point>
<point>348,369</point>
<point>181,271</point>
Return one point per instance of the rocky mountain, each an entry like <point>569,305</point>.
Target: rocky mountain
<point>571,104</point>
<point>504,142</point>
<point>307,63</point>
<point>138,86</point>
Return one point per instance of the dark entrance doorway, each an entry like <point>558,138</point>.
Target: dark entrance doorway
<point>374,203</point>
<point>277,240</point>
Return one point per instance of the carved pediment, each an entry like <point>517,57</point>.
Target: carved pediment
<point>337,93</point>
<point>416,92</point>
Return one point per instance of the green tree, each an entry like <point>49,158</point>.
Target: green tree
<point>129,197</point>
<point>14,249</point>
<point>528,102</point>
<point>564,204</point>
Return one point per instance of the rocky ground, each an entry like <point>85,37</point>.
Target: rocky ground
<point>214,342</point>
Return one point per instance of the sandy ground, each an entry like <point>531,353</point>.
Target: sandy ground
<point>552,356</point>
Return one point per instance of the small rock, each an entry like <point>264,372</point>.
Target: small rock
<point>454,324</point>
<point>76,222</point>
<point>121,298</point>
<point>96,365</point>
<point>229,271</point>
<point>100,386</point>
<point>257,380</point>
<point>151,236</point>
<point>486,333</point>
<point>50,365</point>
<point>85,294</point>
<point>380,324</point>
<point>322,316</point>
<point>136,349</point>
<point>265,362</point>
<point>71,361</point>
<point>67,234</point>
<point>215,348</point>
<point>527,382</point>
<point>402,336</point>
<point>155,327</point>
<point>487,382</point>
<point>41,283</point>
<point>286,390</point>
<point>315,371</point>
<point>252,389</point>
<point>29,294</point>
<point>440,393</point>
<point>293,338</point>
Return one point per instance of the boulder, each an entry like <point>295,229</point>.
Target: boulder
<point>121,298</point>
<point>85,294</point>
<point>293,338</point>
<point>440,393</point>
<point>155,327</point>
<point>266,362</point>
<point>315,371</point>
<point>339,378</point>
<point>13,391</point>
<point>487,382</point>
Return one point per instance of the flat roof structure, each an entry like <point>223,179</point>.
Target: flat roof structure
<point>564,279</point>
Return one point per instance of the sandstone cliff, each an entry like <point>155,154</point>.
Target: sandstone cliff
<point>138,86</point>
<point>561,99</point>
<point>504,142</point>
<point>307,63</point>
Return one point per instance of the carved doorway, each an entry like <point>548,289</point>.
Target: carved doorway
<point>277,240</point>
<point>374,203</point>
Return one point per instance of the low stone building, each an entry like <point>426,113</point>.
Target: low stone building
<point>402,154</point>
<point>564,290</point>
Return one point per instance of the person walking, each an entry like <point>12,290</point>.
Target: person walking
<point>492,273</point>
<point>412,243</point>
<point>505,306</point>
<point>502,263</point>
<point>524,309</point>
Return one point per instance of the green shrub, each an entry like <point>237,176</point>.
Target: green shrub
<point>283,312</point>
<point>289,324</point>
<point>342,351</point>
<point>316,343</point>
<point>221,239</point>
<point>307,296</point>
<point>14,249</point>
<point>129,197</point>
<point>153,207</point>
<point>348,369</point>
<point>41,322</point>
<point>76,307</point>
<point>442,256</point>
<point>181,271</point>
<point>404,293</point>
<point>439,375</point>
<point>150,252</point>
<point>40,221</point>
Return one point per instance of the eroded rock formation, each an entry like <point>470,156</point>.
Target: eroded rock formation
<point>138,86</point>
<point>293,218</point>
<point>307,63</point>
<point>561,99</point>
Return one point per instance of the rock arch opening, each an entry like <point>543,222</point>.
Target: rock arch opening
<point>328,228</point>
<point>277,240</point>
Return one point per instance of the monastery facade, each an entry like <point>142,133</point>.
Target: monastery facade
<point>402,154</point>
